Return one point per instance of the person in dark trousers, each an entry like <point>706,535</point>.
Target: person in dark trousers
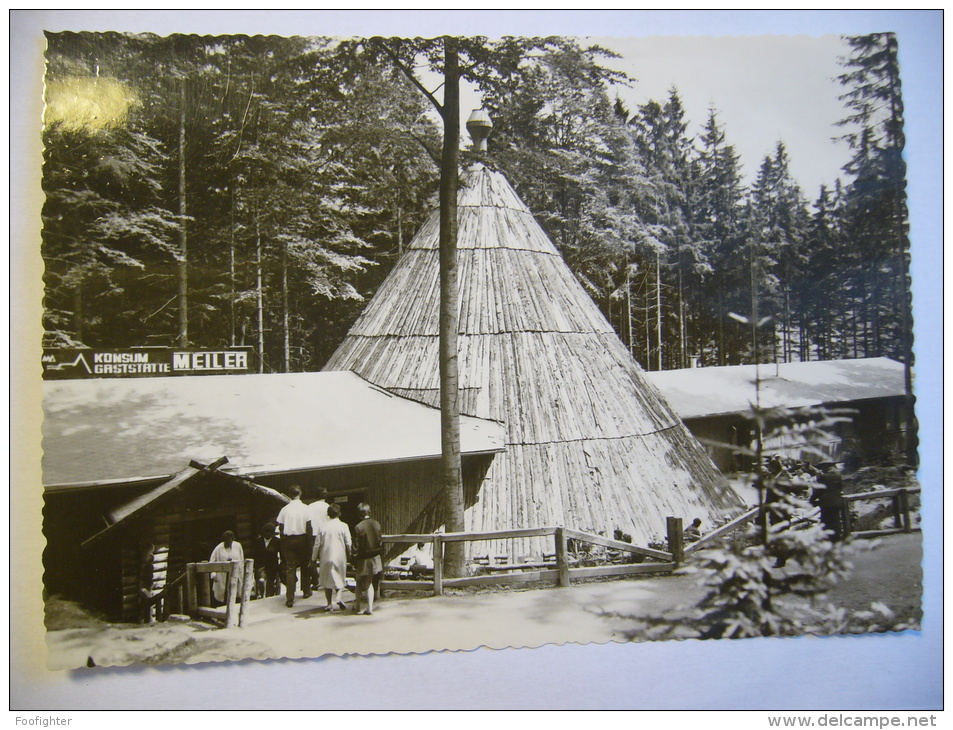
<point>829,497</point>
<point>368,566</point>
<point>265,553</point>
<point>294,522</point>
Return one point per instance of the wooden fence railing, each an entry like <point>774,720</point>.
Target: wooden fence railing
<point>560,567</point>
<point>902,512</point>
<point>198,589</point>
<point>721,531</point>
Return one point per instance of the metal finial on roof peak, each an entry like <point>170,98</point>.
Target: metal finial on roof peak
<point>479,126</point>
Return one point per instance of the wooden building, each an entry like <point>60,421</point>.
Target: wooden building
<point>590,442</point>
<point>118,478</point>
<point>715,403</point>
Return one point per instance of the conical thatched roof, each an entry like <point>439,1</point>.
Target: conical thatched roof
<point>590,443</point>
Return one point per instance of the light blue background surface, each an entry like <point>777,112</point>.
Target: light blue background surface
<point>838,673</point>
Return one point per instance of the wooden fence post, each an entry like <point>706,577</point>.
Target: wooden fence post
<point>897,510</point>
<point>904,501</point>
<point>192,588</point>
<point>247,582</point>
<point>676,545</point>
<point>231,594</point>
<point>204,588</point>
<point>562,562</point>
<point>438,565</point>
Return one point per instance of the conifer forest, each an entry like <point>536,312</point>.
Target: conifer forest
<point>255,191</point>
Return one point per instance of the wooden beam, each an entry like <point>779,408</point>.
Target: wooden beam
<point>248,581</point>
<point>611,570</point>
<point>209,612</point>
<point>881,493</point>
<point>220,461</point>
<point>906,521</point>
<point>562,564</point>
<point>206,567</point>
<point>727,527</point>
<point>438,565</point>
<point>509,567</point>
<point>553,574</point>
<point>617,544</point>
<point>193,589</point>
<point>508,579</point>
<point>498,535</point>
<point>879,533</point>
<point>408,585</point>
<point>231,595</point>
<point>676,544</point>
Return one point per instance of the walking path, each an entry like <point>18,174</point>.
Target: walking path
<point>584,613</point>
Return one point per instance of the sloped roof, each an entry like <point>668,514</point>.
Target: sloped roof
<point>591,444</point>
<point>98,431</point>
<point>711,391</point>
<point>132,508</point>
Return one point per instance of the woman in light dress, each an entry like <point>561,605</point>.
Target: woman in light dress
<point>333,542</point>
<point>228,550</point>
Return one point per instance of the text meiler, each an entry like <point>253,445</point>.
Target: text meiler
<point>209,360</point>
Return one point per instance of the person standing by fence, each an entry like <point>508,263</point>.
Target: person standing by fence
<point>368,566</point>
<point>829,497</point>
<point>294,521</point>
<point>229,550</point>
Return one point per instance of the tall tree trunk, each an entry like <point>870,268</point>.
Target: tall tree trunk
<point>259,289</point>
<point>786,331</point>
<point>231,268</point>
<point>399,180</point>
<point>682,359</point>
<point>658,306</point>
<point>285,329</point>
<point>455,563</point>
<point>628,306</point>
<point>648,322</point>
<point>183,268</point>
<point>722,359</point>
<point>79,325</point>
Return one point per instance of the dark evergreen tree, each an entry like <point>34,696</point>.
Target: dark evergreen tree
<point>779,255</point>
<point>719,223</point>
<point>875,201</point>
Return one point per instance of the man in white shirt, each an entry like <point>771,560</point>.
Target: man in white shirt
<point>294,522</point>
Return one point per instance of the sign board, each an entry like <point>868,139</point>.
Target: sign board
<point>137,362</point>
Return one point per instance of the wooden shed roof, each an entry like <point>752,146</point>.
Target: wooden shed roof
<point>713,391</point>
<point>98,431</point>
<point>591,444</point>
<point>132,508</point>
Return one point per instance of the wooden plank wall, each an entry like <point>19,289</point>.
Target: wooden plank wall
<point>404,496</point>
<point>167,529</point>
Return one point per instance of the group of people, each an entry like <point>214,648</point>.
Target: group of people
<point>310,541</point>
